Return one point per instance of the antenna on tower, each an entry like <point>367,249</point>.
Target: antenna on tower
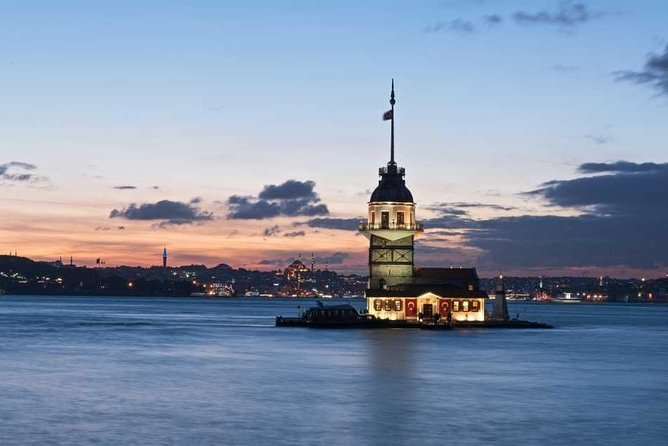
<point>392,102</point>
<point>389,116</point>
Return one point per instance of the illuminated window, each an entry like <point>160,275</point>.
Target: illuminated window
<point>389,305</point>
<point>465,305</point>
<point>475,305</point>
<point>397,305</point>
<point>455,305</point>
<point>377,304</point>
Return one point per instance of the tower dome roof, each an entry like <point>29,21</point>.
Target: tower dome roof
<point>392,186</point>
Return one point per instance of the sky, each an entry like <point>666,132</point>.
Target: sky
<point>533,133</point>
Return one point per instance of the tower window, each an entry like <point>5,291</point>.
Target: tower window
<point>373,218</point>
<point>400,219</point>
<point>385,220</point>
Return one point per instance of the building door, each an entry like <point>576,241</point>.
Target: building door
<point>427,310</point>
<point>385,220</point>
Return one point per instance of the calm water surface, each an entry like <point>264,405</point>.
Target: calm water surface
<point>196,371</point>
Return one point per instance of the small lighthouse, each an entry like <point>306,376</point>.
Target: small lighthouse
<point>500,311</point>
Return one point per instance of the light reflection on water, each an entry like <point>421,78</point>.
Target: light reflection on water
<point>197,371</point>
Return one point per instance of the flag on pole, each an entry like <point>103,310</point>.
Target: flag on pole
<point>388,115</point>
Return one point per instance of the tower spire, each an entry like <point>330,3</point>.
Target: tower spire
<point>392,102</point>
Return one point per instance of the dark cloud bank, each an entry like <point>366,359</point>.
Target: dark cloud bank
<point>623,210</point>
<point>168,212</point>
<point>292,198</point>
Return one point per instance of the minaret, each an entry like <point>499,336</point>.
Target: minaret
<point>391,224</point>
<point>500,311</point>
<point>164,257</point>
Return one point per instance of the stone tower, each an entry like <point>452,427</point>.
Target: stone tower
<point>391,225</point>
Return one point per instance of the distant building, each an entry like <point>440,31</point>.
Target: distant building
<point>296,270</point>
<point>396,289</point>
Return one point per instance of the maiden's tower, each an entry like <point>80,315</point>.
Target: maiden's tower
<point>397,290</point>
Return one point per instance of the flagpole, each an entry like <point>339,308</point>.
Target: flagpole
<point>392,101</point>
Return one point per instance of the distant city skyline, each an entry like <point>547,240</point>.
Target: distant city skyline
<point>533,133</point>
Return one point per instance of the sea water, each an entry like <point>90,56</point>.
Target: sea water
<point>154,371</point>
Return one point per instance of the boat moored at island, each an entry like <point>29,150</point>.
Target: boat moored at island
<point>347,316</point>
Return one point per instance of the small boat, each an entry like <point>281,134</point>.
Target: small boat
<point>347,316</point>
<point>252,294</point>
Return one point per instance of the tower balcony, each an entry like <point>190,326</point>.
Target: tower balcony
<point>392,169</point>
<point>390,230</point>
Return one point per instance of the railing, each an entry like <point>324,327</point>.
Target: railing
<point>385,170</point>
<point>391,226</point>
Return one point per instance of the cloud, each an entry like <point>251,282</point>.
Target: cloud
<point>619,213</point>
<point>18,171</point>
<point>460,208</point>
<point>291,189</point>
<point>336,258</point>
<point>653,73</point>
<point>292,198</point>
<point>443,209</point>
<point>598,139</point>
<point>109,228</point>
<point>170,212</point>
<point>346,224</point>
<point>245,208</point>
<point>568,14</point>
<point>125,187</point>
<point>628,188</point>
<point>493,19</point>
<point>457,26</point>
<point>270,232</point>
<point>448,222</point>
<point>620,167</point>
<point>295,234</point>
